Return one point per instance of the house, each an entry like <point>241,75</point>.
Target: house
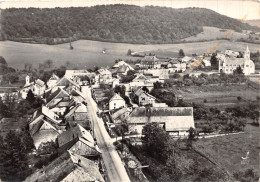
<point>7,94</point>
<point>121,68</point>
<point>37,87</point>
<point>229,64</point>
<point>66,84</point>
<point>175,120</point>
<point>116,102</point>
<point>44,126</point>
<point>120,114</point>
<point>53,80</point>
<point>78,114</point>
<point>230,53</point>
<point>144,98</point>
<point>79,141</point>
<point>81,80</point>
<point>105,76</point>
<point>66,168</point>
<point>140,81</point>
<point>149,62</point>
<point>59,98</point>
<point>80,73</point>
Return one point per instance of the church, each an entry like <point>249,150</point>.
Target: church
<point>227,64</point>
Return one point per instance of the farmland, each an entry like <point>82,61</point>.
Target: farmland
<point>87,54</point>
<point>228,150</point>
<point>219,96</point>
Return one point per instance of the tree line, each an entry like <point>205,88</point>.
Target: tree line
<point>113,23</point>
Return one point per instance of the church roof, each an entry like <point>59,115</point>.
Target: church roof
<point>233,60</point>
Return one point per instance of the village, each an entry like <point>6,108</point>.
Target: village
<point>93,120</point>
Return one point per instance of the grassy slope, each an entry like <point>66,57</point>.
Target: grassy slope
<point>228,150</point>
<point>225,95</point>
<point>89,53</point>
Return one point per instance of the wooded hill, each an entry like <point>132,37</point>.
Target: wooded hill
<point>112,23</point>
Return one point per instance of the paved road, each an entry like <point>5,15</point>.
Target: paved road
<point>114,166</point>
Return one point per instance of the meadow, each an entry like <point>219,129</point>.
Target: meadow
<point>219,96</point>
<point>228,150</point>
<point>87,53</point>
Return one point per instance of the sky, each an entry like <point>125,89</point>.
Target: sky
<point>232,8</point>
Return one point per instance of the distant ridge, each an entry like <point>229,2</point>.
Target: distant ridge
<point>111,23</point>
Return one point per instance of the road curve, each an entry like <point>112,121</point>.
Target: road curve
<point>114,166</point>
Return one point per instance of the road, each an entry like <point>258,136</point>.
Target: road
<point>114,166</point>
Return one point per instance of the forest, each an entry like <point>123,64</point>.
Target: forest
<point>111,23</point>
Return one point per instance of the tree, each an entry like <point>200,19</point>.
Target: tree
<point>30,96</point>
<point>214,62</point>
<point>3,61</point>
<point>15,163</point>
<point>11,77</point>
<point>181,53</point>
<point>239,98</point>
<point>120,90</point>
<point>192,135</point>
<point>27,141</point>
<point>238,71</point>
<point>48,63</point>
<point>156,141</point>
<point>145,89</point>
<point>129,52</point>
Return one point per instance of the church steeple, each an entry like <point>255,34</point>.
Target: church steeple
<point>247,53</point>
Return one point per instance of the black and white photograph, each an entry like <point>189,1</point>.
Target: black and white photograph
<point>129,90</point>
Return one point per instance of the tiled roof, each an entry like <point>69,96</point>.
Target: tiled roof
<point>160,111</point>
<point>119,113</point>
<point>67,168</point>
<point>70,134</point>
<point>116,97</point>
<point>54,77</point>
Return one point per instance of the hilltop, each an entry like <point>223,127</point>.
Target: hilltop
<point>111,23</point>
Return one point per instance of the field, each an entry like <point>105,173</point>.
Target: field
<point>213,33</point>
<point>228,150</point>
<point>219,96</point>
<point>87,54</point>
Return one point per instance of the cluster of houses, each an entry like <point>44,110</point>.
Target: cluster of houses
<point>63,119</point>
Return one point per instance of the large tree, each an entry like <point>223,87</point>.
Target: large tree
<point>157,142</point>
<point>181,53</point>
<point>14,165</point>
<point>30,96</point>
